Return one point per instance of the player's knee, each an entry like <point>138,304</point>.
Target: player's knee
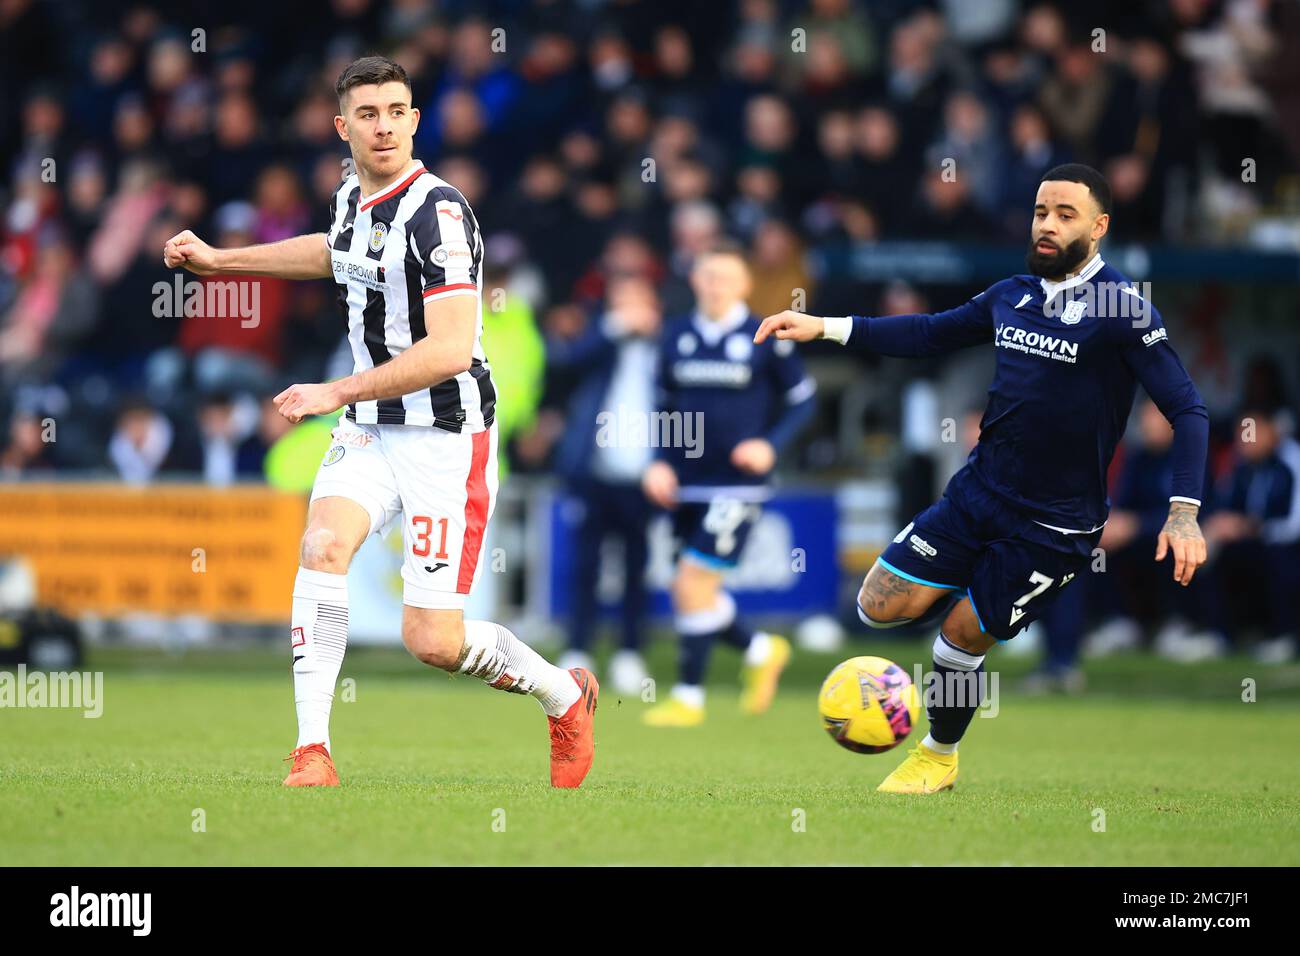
<point>880,622</point>
<point>440,655</point>
<point>693,591</point>
<point>435,643</point>
<point>323,551</point>
<point>874,610</point>
<point>962,627</point>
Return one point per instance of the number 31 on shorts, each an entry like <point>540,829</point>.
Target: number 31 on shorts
<point>422,543</point>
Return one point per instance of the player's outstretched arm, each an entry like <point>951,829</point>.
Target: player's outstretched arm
<point>302,257</point>
<point>445,352</point>
<point>906,336</point>
<point>792,326</point>
<point>1181,536</point>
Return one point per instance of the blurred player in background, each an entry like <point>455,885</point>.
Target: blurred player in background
<point>1255,540</point>
<point>615,361</point>
<point>1020,521</point>
<point>418,443</point>
<point>749,403</point>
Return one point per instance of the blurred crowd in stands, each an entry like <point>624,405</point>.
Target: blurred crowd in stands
<point>596,140</point>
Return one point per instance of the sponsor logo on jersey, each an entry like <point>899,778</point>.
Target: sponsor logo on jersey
<point>1037,343</point>
<point>448,251</point>
<point>712,372</point>
<point>369,274</point>
<point>334,454</point>
<point>921,546</point>
<point>1154,336</point>
<point>686,343</point>
<point>378,233</point>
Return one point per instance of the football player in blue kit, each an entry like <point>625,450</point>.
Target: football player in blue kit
<point>1020,521</point>
<point>734,405</point>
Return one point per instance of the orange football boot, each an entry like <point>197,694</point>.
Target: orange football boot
<point>573,738</point>
<point>312,767</point>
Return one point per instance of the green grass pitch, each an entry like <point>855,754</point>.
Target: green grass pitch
<point>437,771</point>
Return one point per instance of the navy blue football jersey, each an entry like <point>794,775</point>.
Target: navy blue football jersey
<point>720,388</point>
<point>1070,356</point>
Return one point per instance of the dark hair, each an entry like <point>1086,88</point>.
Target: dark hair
<point>727,246</point>
<point>1079,173</point>
<point>367,70</point>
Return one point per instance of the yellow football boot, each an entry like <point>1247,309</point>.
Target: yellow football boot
<point>673,712</point>
<point>924,771</point>
<point>759,681</point>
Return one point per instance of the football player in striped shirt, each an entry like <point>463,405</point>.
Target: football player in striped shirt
<point>417,446</point>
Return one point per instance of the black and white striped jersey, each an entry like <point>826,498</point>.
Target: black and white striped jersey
<point>415,242</point>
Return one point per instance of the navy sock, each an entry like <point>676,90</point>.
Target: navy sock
<point>953,690</point>
<point>951,699</point>
<point>736,634</point>
<point>698,630</point>
<point>693,657</point>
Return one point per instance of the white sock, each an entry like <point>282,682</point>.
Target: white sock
<point>320,638</point>
<point>760,645</point>
<point>958,658</point>
<point>938,747</point>
<point>692,694</point>
<point>494,655</point>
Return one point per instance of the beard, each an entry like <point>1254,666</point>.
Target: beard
<point>1059,264</point>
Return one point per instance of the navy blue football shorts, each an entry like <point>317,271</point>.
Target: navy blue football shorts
<point>714,533</point>
<point>1010,566</point>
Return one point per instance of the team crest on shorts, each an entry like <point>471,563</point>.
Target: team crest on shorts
<point>378,233</point>
<point>334,454</point>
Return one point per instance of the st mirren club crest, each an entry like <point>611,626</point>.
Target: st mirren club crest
<point>378,233</point>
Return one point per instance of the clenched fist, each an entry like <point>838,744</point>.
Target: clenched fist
<point>791,325</point>
<point>188,250</point>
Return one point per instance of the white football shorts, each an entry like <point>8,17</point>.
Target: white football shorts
<point>440,485</point>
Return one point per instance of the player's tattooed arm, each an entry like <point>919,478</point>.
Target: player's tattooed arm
<point>1182,537</point>
<point>887,598</point>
